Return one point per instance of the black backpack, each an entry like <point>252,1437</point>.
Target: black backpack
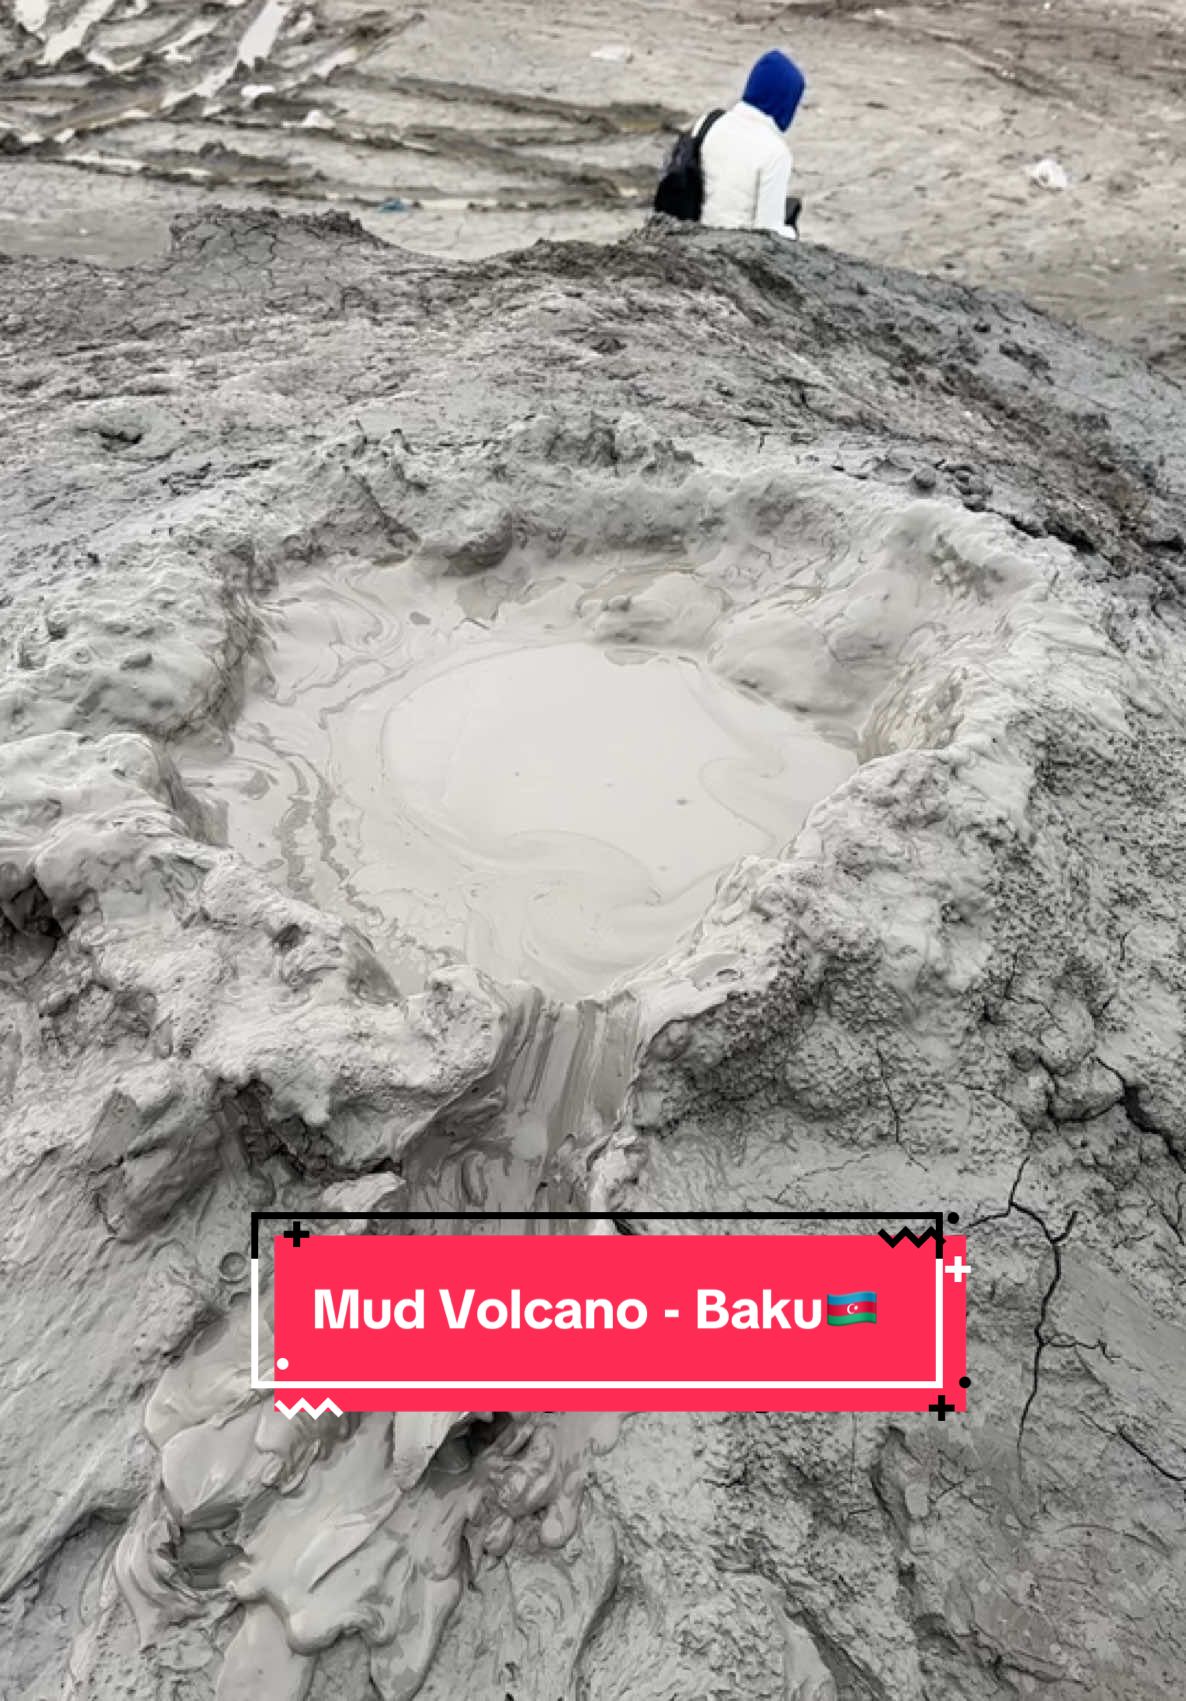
<point>681,188</point>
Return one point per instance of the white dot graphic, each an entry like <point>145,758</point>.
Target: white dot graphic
<point>281,1364</point>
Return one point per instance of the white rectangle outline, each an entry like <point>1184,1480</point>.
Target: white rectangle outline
<point>257,1383</point>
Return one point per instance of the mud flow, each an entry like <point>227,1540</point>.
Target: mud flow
<point>468,769</point>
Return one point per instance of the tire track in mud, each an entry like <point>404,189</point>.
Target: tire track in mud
<point>180,105</point>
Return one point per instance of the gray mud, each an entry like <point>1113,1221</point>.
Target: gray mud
<point>509,772</point>
<point>936,530</point>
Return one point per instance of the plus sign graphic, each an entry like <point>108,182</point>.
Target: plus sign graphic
<point>957,1269</point>
<point>943,1405</point>
<point>296,1234</point>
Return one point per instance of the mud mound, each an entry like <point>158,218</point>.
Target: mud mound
<point>285,468</point>
<point>463,129</point>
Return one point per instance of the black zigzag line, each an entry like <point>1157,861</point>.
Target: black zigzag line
<point>908,1234</point>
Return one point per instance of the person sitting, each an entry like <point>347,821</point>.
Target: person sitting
<point>745,163</point>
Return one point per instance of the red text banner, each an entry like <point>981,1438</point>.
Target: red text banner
<point>595,1322</point>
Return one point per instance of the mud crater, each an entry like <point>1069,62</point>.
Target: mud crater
<point>539,773</point>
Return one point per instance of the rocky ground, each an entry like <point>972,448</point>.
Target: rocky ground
<point>940,527</point>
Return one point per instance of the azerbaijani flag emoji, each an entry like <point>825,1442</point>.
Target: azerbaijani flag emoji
<point>852,1308</point>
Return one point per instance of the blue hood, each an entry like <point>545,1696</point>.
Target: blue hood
<point>775,87</point>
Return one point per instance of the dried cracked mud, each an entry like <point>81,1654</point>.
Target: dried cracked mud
<point>904,563</point>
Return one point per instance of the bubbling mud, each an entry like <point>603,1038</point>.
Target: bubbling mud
<point>508,789</point>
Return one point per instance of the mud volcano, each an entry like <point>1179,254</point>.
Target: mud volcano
<point>685,722</point>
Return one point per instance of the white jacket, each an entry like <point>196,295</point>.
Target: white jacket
<point>747,172</point>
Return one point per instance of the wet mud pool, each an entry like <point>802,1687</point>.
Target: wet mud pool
<point>476,771</point>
